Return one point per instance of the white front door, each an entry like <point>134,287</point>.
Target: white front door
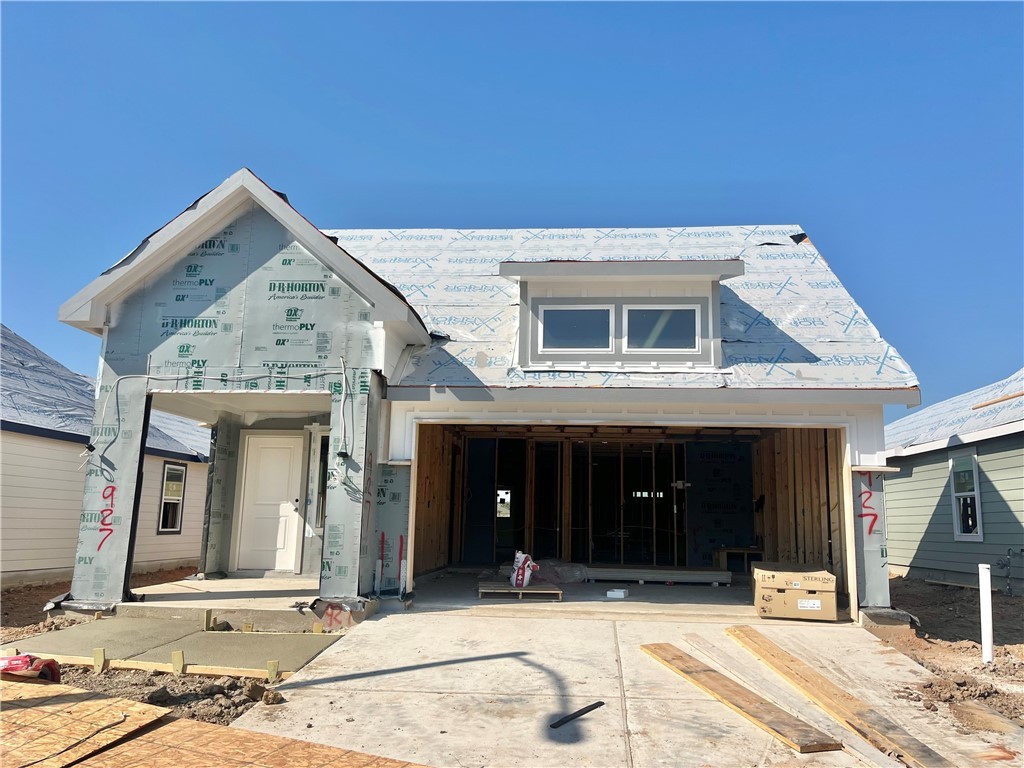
<point>271,490</point>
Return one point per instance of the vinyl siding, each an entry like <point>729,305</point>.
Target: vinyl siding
<point>920,513</point>
<point>41,489</point>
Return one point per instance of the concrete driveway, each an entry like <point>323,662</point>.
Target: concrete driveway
<point>459,689</point>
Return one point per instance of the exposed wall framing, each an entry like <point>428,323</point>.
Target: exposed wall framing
<point>799,472</point>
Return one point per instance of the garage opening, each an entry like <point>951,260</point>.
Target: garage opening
<point>652,497</point>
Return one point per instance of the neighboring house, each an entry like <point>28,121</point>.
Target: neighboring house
<point>615,397</point>
<point>958,498</point>
<point>46,415</point>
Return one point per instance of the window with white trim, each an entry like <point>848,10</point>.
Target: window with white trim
<point>966,495</point>
<point>661,328</point>
<point>172,498</point>
<point>577,329</point>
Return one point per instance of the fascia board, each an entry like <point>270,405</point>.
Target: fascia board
<point>387,305</point>
<point>957,440</point>
<point>669,395</point>
<point>87,308</point>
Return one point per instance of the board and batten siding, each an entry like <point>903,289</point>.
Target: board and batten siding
<point>920,512</point>
<point>41,489</point>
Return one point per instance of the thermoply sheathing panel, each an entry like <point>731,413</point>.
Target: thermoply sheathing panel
<point>786,323</point>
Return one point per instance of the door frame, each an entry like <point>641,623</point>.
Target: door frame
<point>243,458</point>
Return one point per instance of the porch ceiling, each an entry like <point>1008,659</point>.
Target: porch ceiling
<point>207,406</point>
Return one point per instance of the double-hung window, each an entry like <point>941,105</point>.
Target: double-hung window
<point>966,495</point>
<point>172,498</point>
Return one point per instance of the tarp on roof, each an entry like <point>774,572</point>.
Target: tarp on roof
<point>786,323</point>
<point>959,415</point>
<point>37,391</point>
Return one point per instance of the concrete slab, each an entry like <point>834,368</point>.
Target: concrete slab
<point>247,650</point>
<point>122,638</point>
<point>455,688</point>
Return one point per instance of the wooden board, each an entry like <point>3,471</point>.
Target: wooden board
<point>505,588</point>
<point>788,729</point>
<point>843,706</point>
<point>659,574</point>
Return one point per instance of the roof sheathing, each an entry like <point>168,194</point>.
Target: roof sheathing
<point>787,323</point>
<point>982,408</point>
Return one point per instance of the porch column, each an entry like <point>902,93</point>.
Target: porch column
<point>349,475</point>
<point>220,495</point>
<point>113,483</point>
<point>869,530</point>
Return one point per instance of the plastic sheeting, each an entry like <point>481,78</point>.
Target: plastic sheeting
<point>40,392</point>
<point>958,415</point>
<point>786,323</point>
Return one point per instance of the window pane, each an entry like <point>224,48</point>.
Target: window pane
<point>963,475</point>
<point>968,514</point>
<point>662,329</point>
<point>174,482</point>
<point>576,329</point>
<point>169,516</point>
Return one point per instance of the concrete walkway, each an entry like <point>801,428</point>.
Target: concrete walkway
<point>153,640</point>
<point>460,689</point>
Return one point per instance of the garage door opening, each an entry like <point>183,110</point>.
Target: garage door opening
<point>645,497</point>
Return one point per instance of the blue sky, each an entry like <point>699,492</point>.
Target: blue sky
<point>892,132</point>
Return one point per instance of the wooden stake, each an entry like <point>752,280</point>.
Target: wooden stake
<point>97,615</point>
<point>318,628</point>
<point>177,663</point>
<point>273,668</point>
<point>247,627</point>
<point>99,660</point>
<point>207,619</point>
<point>843,706</point>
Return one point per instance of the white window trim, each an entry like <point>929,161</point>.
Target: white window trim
<point>164,498</point>
<point>953,496</point>
<point>695,308</point>
<point>542,308</point>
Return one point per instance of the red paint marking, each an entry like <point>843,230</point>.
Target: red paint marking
<point>107,516</point>
<point>874,519</point>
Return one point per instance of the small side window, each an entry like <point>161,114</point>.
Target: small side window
<point>172,499</point>
<point>966,496</point>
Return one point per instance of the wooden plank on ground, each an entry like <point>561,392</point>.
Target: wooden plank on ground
<point>788,729</point>
<point>843,706</point>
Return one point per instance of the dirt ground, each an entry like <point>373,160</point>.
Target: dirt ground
<point>948,643</point>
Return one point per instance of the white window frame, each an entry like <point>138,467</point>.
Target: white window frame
<point>164,499</point>
<point>695,308</point>
<point>954,496</point>
<point>542,308</point>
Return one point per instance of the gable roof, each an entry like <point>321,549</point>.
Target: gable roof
<point>787,323</point>
<point>983,412</point>
<point>40,396</point>
<point>210,213</point>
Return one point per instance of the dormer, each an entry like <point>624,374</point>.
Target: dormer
<point>620,315</point>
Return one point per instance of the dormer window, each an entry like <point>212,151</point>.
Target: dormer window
<point>661,328</point>
<point>618,315</point>
<point>576,329</point>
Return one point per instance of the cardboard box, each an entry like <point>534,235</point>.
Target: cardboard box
<point>785,591</point>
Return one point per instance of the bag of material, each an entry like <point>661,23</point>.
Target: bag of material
<point>522,570</point>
